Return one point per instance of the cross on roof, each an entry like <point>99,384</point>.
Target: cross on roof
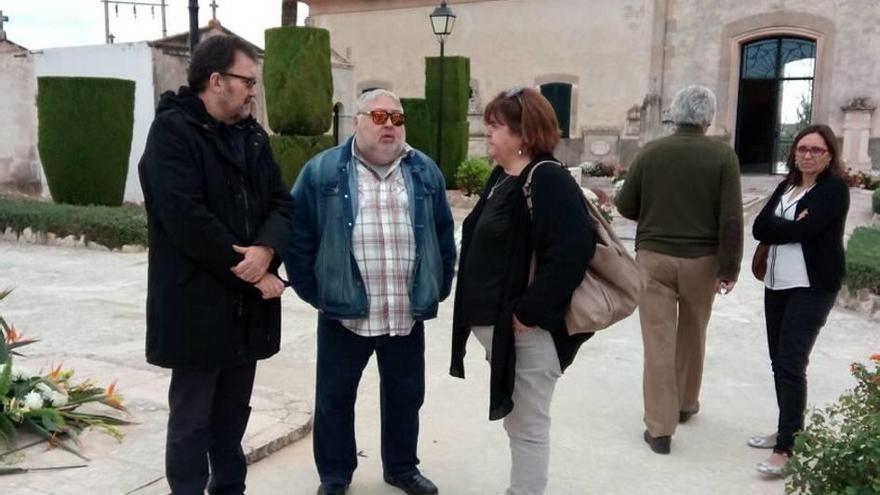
<point>213,6</point>
<point>3,19</point>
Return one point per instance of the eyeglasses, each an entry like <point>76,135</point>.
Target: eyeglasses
<point>381,116</point>
<point>810,150</point>
<point>515,92</point>
<point>250,82</point>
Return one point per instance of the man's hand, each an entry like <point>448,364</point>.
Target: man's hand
<point>270,286</point>
<point>255,263</point>
<point>519,327</point>
<point>724,287</point>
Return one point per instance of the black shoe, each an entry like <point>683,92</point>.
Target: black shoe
<point>414,485</point>
<point>684,416</point>
<point>332,489</point>
<point>660,445</point>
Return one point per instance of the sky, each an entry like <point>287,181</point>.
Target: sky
<point>37,24</point>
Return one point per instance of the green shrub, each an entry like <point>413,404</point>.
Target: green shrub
<point>875,201</point>
<point>85,129</point>
<point>420,131</point>
<point>472,175</point>
<point>839,451</point>
<point>863,259</point>
<point>292,152</point>
<point>456,87</point>
<point>455,149</point>
<point>113,227</point>
<point>298,81</point>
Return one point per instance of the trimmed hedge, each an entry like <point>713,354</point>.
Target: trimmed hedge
<point>292,153</point>
<point>113,227</point>
<point>456,87</point>
<point>863,259</point>
<point>420,131</point>
<point>875,201</point>
<point>298,81</point>
<point>455,148</point>
<point>85,129</point>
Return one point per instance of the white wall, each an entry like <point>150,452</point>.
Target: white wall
<point>19,168</point>
<point>123,60</point>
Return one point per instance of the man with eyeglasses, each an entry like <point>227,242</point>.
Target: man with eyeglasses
<point>218,217</point>
<point>373,251</point>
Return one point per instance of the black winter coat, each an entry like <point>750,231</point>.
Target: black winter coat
<point>200,200</point>
<point>563,238</point>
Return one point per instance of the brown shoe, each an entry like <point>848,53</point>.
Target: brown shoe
<point>660,445</point>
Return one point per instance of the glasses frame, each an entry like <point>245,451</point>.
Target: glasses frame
<point>250,82</point>
<point>384,115</point>
<point>813,151</point>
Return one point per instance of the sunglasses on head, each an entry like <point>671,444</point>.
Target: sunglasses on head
<point>250,82</point>
<point>381,116</point>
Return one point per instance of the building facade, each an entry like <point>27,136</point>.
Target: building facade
<point>611,67</point>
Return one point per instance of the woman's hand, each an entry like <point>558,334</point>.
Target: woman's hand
<point>519,328</point>
<point>802,214</point>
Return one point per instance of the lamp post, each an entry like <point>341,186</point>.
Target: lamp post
<point>442,21</point>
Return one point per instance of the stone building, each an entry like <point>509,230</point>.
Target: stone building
<point>610,67</point>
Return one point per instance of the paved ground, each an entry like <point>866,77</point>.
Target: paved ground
<point>87,307</point>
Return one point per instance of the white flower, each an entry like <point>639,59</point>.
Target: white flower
<point>58,399</point>
<point>617,186</point>
<point>20,373</point>
<point>45,390</point>
<point>33,400</point>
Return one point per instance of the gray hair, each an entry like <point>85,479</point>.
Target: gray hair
<point>693,105</point>
<point>372,95</point>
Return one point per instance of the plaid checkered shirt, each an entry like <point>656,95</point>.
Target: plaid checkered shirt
<point>384,248</point>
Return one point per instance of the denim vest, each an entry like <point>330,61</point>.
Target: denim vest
<point>320,262</point>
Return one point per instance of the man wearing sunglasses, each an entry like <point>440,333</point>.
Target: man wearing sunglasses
<point>217,214</point>
<point>373,251</point>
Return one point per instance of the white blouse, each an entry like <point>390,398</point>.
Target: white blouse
<point>786,268</point>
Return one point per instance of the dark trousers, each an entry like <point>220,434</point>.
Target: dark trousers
<point>794,318</point>
<point>209,410</point>
<point>342,357</point>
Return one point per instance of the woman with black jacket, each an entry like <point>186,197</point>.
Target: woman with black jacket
<point>803,224</point>
<point>521,323</point>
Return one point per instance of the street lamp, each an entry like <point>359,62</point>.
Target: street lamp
<point>442,21</point>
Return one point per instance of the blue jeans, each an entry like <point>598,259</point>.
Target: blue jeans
<point>342,357</point>
<point>794,318</point>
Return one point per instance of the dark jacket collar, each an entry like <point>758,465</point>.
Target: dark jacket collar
<point>690,130</point>
<point>189,103</point>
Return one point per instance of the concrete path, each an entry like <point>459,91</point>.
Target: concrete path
<point>87,307</point>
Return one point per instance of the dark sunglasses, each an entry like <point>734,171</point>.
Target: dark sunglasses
<point>250,82</point>
<point>381,116</point>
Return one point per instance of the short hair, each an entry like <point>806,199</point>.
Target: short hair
<point>835,166</point>
<point>693,105</point>
<point>371,95</point>
<point>215,54</point>
<point>529,115</point>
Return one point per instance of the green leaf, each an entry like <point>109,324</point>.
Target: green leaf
<point>52,439</point>
<point>6,377</point>
<point>7,431</point>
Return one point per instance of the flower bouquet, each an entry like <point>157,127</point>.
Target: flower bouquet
<point>49,404</point>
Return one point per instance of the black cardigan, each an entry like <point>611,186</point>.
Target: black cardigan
<point>564,240</point>
<point>820,233</point>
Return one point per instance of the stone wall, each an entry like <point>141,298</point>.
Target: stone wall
<point>19,168</point>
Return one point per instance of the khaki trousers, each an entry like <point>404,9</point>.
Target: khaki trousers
<point>674,313</point>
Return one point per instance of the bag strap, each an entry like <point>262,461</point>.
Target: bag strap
<point>527,187</point>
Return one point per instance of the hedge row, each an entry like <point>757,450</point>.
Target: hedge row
<point>292,153</point>
<point>875,201</point>
<point>420,131</point>
<point>863,259</point>
<point>298,81</point>
<point>113,227</point>
<point>85,130</point>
